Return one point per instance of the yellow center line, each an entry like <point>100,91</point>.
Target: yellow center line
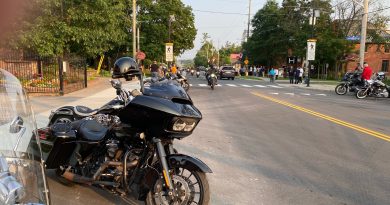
<point>329,118</point>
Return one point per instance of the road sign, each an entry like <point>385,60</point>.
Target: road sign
<point>246,62</point>
<point>169,52</point>
<point>311,50</point>
<point>140,55</point>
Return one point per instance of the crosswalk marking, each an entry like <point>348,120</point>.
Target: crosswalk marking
<point>231,85</point>
<point>321,94</point>
<point>274,93</point>
<point>190,84</point>
<point>218,85</point>
<point>274,86</point>
<point>260,86</point>
<point>289,93</point>
<point>247,86</point>
<point>202,85</point>
<point>305,94</point>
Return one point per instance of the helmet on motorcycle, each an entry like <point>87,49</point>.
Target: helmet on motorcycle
<point>381,76</point>
<point>125,67</point>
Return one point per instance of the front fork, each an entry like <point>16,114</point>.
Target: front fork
<point>164,165</point>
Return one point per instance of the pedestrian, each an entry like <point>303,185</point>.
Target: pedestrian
<point>276,73</point>
<point>358,67</point>
<point>254,71</point>
<point>154,70</point>
<point>262,71</point>
<point>251,70</point>
<point>296,75</point>
<point>300,74</point>
<point>367,72</point>
<point>291,75</point>
<point>242,71</point>
<point>173,69</point>
<point>271,74</point>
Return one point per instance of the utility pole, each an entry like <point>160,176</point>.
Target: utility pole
<point>363,33</point>
<point>138,45</point>
<point>134,28</point>
<point>249,20</point>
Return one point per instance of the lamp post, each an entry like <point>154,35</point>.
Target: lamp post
<point>312,21</point>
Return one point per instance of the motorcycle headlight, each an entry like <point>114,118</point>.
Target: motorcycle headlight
<point>213,75</point>
<point>184,124</point>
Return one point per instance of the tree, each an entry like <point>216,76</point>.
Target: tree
<point>206,53</point>
<point>225,51</point>
<point>154,20</point>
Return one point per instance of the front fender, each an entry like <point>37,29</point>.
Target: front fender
<point>188,162</point>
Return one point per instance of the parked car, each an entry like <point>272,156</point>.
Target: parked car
<point>227,72</point>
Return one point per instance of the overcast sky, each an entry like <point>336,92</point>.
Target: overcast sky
<point>224,27</point>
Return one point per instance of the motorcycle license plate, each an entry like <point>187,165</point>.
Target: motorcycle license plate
<point>228,72</point>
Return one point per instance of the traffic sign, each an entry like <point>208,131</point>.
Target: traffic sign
<point>169,52</point>
<point>141,55</point>
<point>246,61</point>
<point>311,50</point>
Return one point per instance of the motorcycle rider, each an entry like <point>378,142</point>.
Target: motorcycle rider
<point>367,72</point>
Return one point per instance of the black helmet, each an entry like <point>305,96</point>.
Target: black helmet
<point>125,67</point>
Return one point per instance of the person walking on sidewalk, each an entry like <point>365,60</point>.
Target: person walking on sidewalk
<point>291,75</point>
<point>276,73</point>
<point>272,75</point>
<point>300,74</point>
<point>296,75</point>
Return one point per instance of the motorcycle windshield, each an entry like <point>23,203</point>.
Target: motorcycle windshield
<point>22,177</point>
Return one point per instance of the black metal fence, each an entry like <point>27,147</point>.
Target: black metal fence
<point>45,74</point>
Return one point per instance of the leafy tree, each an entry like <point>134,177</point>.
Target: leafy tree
<point>225,51</point>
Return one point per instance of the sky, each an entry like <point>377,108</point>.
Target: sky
<point>220,27</point>
<point>223,27</point>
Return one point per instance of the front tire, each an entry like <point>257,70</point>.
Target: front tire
<point>192,187</point>
<point>341,89</point>
<point>361,94</point>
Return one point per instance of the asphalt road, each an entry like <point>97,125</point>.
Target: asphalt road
<point>270,144</point>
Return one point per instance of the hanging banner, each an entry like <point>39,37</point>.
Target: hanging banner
<point>169,52</point>
<point>311,49</point>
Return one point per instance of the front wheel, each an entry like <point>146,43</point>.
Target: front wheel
<point>341,89</point>
<point>191,187</point>
<point>361,93</point>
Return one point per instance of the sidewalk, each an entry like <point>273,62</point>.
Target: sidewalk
<point>314,85</point>
<point>95,95</point>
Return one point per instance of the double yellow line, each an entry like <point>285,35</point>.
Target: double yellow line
<point>329,118</point>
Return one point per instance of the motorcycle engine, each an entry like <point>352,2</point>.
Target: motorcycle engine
<point>106,120</point>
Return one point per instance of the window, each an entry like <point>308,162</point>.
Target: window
<point>385,65</point>
<point>387,48</point>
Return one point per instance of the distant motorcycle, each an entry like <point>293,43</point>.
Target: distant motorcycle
<point>180,79</point>
<point>197,74</point>
<point>374,88</point>
<point>212,80</point>
<point>350,82</point>
<point>192,72</point>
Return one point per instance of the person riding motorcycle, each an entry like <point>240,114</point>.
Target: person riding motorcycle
<point>211,70</point>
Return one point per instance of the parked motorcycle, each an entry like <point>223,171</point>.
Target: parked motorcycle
<point>350,82</point>
<point>22,173</point>
<point>374,88</point>
<point>127,147</point>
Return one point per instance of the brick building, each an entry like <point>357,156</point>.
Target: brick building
<point>377,57</point>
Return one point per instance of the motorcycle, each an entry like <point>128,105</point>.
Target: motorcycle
<point>351,82</point>
<point>22,173</point>
<point>181,80</point>
<point>212,80</point>
<point>374,88</point>
<point>128,148</point>
<point>197,74</point>
<point>192,72</point>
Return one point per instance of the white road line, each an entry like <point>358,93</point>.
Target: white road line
<point>274,93</point>
<point>321,94</point>
<point>260,86</point>
<point>307,94</point>
<point>231,85</point>
<point>218,85</point>
<point>202,85</point>
<point>289,93</point>
<point>247,86</point>
<point>274,86</point>
<point>190,84</point>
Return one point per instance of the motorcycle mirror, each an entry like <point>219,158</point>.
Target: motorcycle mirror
<point>16,125</point>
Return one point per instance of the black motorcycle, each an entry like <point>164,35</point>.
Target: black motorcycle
<point>350,82</point>
<point>374,88</point>
<point>212,80</point>
<point>127,147</point>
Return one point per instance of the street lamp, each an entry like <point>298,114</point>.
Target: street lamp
<point>171,19</point>
<point>312,21</point>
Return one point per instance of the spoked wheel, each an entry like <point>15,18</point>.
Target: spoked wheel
<point>191,187</point>
<point>361,93</point>
<point>341,89</point>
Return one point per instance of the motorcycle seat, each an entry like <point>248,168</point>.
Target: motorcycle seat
<point>84,111</point>
<point>91,130</point>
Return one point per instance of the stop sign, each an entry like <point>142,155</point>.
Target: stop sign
<point>141,55</point>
